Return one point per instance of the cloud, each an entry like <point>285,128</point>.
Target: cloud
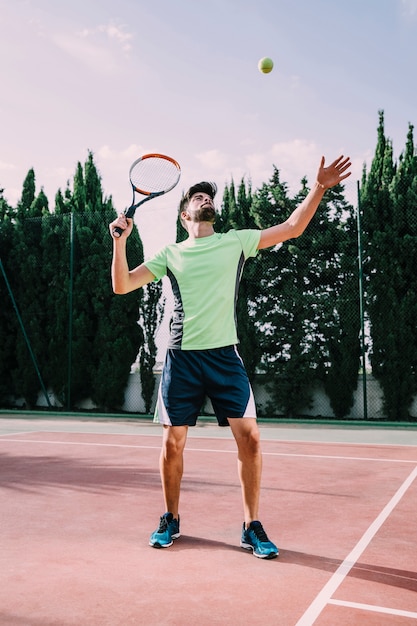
<point>118,34</point>
<point>294,159</point>
<point>6,166</point>
<point>96,47</point>
<point>132,152</point>
<point>213,160</point>
<point>409,8</point>
<point>97,58</point>
<point>112,32</point>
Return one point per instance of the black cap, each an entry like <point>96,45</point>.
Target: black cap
<point>205,187</point>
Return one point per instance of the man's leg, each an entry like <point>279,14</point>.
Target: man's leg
<point>246,434</point>
<point>254,537</point>
<point>171,465</point>
<point>171,468</point>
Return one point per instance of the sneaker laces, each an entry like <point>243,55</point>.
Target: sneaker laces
<point>163,523</point>
<point>259,531</point>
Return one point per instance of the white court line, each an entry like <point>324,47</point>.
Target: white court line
<point>18,432</point>
<point>212,450</point>
<point>195,435</point>
<point>339,458</point>
<point>338,442</point>
<point>324,597</point>
<point>374,609</point>
<point>84,443</point>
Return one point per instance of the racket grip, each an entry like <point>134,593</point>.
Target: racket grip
<point>117,232</point>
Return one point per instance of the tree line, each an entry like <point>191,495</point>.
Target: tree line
<point>299,314</point>
<point>57,265</point>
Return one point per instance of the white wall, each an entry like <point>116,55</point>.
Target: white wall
<point>320,405</point>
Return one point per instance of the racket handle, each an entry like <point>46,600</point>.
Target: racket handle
<point>117,232</point>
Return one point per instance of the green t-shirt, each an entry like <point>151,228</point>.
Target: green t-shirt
<point>205,275</point>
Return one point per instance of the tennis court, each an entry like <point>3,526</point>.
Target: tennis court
<point>79,499</point>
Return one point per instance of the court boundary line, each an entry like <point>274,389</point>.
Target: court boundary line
<point>24,432</point>
<point>325,595</point>
<point>194,435</point>
<point>374,608</point>
<point>211,450</point>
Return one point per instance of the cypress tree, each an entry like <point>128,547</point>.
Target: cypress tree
<point>106,335</point>
<point>181,233</point>
<point>388,197</point>
<point>56,243</point>
<point>335,319</point>
<point>8,321</point>
<point>28,196</point>
<point>151,315</point>
<point>30,289</point>
<point>282,307</point>
<point>307,317</point>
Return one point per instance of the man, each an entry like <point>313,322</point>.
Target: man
<point>202,359</point>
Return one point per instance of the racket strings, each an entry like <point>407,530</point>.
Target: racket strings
<point>154,175</point>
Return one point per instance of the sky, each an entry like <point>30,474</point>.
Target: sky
<point>127,77</point>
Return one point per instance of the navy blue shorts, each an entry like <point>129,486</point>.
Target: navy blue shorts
<point>189,376</point>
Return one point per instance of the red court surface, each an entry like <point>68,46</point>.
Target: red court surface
<point>79,500</point>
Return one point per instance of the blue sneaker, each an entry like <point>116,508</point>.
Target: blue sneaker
<point>255,538</point>
<point>169,529</point>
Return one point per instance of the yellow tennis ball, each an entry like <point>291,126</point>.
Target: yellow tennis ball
<point>265,65</point>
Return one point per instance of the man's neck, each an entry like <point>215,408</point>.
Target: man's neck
<point>197,230</point>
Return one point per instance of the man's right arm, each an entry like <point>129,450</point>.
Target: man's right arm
<point>123,279</point>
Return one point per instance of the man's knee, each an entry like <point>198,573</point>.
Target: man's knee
<point>246,434</point>
<point>253,442</point>
<point>173,442</point>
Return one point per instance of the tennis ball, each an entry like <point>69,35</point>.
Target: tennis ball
<point>265,65</point>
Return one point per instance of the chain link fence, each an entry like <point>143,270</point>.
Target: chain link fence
<point>304,326</point>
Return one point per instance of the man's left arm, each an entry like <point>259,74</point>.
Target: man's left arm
<point>299,219</point>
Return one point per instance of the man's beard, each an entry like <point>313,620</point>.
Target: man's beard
<point>206,213</point>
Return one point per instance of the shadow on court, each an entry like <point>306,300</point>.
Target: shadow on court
<point>34,473</point>
<point>372,573</point>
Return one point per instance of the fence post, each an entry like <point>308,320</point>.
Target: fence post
<point>361,306</point>
<point>70,312</point>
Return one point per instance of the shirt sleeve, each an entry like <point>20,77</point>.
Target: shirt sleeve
<point>249,238</point>
<point>158,264</point>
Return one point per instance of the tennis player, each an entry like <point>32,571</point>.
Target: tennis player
<point>202,359</point>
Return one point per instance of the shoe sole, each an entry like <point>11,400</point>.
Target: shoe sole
<point>271,555</point>
<point>164,545</point>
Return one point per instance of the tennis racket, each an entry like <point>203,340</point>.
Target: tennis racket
<point>151,175</point>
